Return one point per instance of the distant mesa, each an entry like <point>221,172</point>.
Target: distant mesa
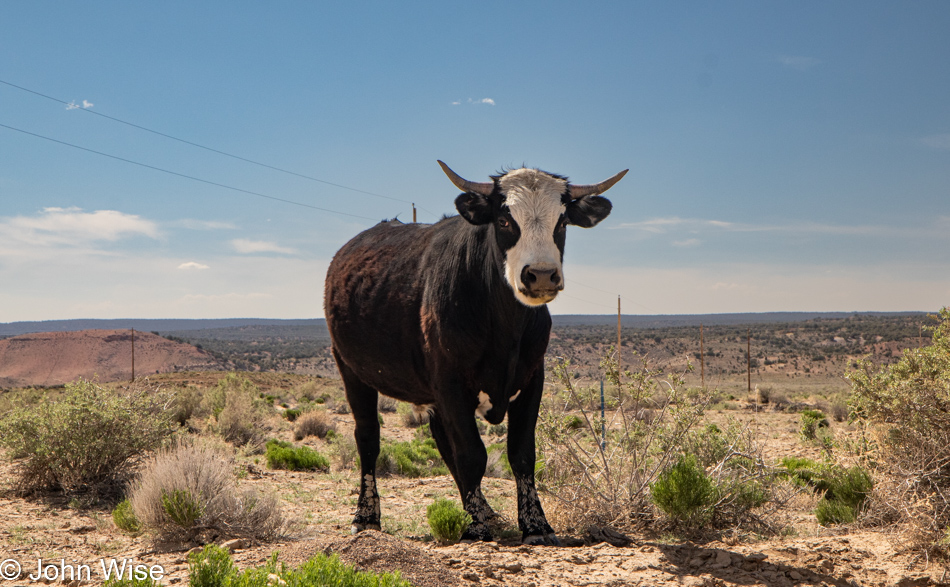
<point>53,358</point>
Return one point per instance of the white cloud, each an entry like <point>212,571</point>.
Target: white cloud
<point>191,265</point>
<point>695,225</point>
<point>798,62</point>
<point>941,142</point>
<point>488,101</point>
<point>74,106</point>
<point>193,224</point>
<point>690,242</point>
<point>73,227</point>
<point>249,247</point>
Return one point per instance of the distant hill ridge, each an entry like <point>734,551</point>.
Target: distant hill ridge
<point>177,326</point>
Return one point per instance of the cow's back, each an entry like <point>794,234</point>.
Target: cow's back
<point>372,298</point>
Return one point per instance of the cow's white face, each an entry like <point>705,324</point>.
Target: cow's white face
<point>534,201</point>
<point>529,210</point>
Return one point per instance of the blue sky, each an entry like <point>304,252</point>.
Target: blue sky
<point>783,156</point>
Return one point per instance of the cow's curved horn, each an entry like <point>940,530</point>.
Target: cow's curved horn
<point>579,191</point>
<point>483,188</point>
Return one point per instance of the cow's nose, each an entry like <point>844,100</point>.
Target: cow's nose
<point>541,277</point>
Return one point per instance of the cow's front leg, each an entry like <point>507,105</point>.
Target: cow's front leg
<point>456,435</point>
<point>363,399</point>
<point>522,419</point>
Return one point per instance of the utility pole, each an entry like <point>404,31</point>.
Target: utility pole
<point>702,357</point>
<point>618,339</point>
<point>133,355</point>
<point>413,212</point>
<point>748,358</point>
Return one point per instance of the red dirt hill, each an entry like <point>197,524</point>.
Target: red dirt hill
<point>53,358</point>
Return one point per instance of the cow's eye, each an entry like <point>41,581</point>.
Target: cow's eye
<point>503,222</point>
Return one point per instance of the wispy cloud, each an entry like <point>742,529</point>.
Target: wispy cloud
<point>798,62</point>
<point>74,106</point>
<point>690,242</point>
<point>941,141</point>
<point>193,224</point>
<point>193,265</point>
<point>249,247</point>
<point>677,225</point>
<point>488,101</point>
<point>74,227</point>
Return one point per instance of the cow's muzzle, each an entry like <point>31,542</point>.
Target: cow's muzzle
<point>541,281</point>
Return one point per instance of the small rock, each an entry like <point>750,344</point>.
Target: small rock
<point>471,577</point>
<point>275,580</point>
<point>723,558</point>
<point>513,568</point>
<point>795,575</point>
<point>696,562</point>
<point>757,556</point>
<point>82,529</point>
<point>234,545</point>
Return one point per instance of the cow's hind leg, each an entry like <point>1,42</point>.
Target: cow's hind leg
<point>464,453</point>
<point>363,400</point>
<point>522,419</point>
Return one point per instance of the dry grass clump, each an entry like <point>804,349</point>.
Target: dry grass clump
<point>238,414</point>
<point>316,423</point>
<point>189,493</point>
<point>906,410</point>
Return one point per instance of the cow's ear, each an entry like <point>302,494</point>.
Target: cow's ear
<point>475,208</point>
<point>588,211</point>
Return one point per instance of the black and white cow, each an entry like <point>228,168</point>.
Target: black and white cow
<point>451,317</point>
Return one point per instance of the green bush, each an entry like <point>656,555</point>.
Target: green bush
<point>684,492</point>
<point>844,500</point>
<point>213,567</point>
<point>124,517</point>
<point>905,408</point>
<point>416,458</point>
<point>282,455</point>
<point>86,439</point>
<point>447,520</point>
<point>292,414</point>
<point>811,421</point>
<point>182,507</point>
<point>807,473</point>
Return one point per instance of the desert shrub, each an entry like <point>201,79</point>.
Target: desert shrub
<point>344,448</point>
<point>684,492</point>
<point>292,414</point>
<point>316,423</point>
<point>605,479</point>
<point>241,420</point>
<point>189,492</point>
<point>848,489</point>
<point>806,473</point>
<point>282,455</point>
<point>498,429</point>
<point>124,517</point>
<point>447,520</point>
<point>186,402</point>
<point>416,458</point>
<point>498,465</point>
<point>213,567</point>
<point>386,404</point>
<point>811,421</point>
<point>905,408</point>
<point>85,440</point>
<point>839,411</point>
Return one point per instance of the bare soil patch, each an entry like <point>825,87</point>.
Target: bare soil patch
<point>53,358</point>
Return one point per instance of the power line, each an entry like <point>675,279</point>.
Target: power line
<point>191,177</point>
<point>572,282</point>
<point>211,149</point>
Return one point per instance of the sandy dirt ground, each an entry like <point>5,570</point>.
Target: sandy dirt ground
<point>319,506</point>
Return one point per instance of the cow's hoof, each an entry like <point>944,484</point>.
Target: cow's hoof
<point>541,540</point>
<point>356,528</point>
<point>476,533</point>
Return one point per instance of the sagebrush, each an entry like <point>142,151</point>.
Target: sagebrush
<point>88,439</point>
<point>189,493</point>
